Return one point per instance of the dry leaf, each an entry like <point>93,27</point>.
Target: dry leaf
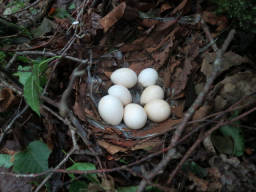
<point>6,99</point>
<point>201,184</point>
<point>112,149</point>
<point>179,7</point>
<point>164,7</point>
<point>113,17</point>
<point>178,108</point>
<point>180,78</point>
<point>229,60</point>
<point>202,112</point>
<point>151,145</point>
<point>234,88</point>
<point>157,129</point>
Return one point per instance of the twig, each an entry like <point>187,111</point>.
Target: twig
<point>63,106</point>
<point>50,54</point>
<point>11,61</point>
<point>191,111</point>
<point>9,126</point>
<point>57,167</point>
<point>208,35</point>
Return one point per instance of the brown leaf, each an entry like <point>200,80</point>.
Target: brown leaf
<point>213,19</point>
<point>157,129</point>
<point>179,7</point>
<point>6,99</point>
<point>235,87</point>
<point>112,149</point>
<point>202,112</point>
<point>113,17</point>
<point>178,108</point>
<point>180,77</point>
<point>151,145</point>
<point>200,183</point>
<point>229,60</point>
<point>164,7</point>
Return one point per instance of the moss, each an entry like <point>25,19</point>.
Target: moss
<point>242,13</point>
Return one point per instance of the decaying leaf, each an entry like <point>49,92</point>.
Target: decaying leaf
<point>156,129</point>
<point>112,149</point>
<point>6,99</point>
<point>151,145</point>
<point>202,112</point>
<point>234,88</point>
<point>201,184</point>
<point>213,19</point>
<point>114,16</point>
<point>229,60</point>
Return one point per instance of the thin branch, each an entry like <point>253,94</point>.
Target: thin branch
<point>57,167</point>
<point>9,126</point>
<point>51,54</point>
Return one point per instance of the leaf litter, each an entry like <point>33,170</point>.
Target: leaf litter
<point>173,50</point>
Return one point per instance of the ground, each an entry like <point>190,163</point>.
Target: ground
<point>56,60</point>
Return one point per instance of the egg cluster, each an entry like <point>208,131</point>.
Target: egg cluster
<point>117,106</point>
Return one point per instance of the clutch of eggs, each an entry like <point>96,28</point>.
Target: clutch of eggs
<point>118,106</point>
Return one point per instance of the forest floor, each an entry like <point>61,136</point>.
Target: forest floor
<point>56,60</point>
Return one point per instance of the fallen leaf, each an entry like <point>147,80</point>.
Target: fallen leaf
<point>229,59</point>
<point>164,7</point>
<point>213,19</point>
<point>202,112</point>
<point>156,129</point>
<point>6,99</point>
<point>235,87</point>
<point>112,149</point>
<point>178,108</point>
<point>179,7</point>
<point>150,146</point>
<point>201,184</point>
<point>180,77</point>
<point>113,17</point>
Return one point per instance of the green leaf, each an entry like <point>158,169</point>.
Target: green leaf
<point>76,186</point>
<point>134,189</point>
<point>3,62</point>
<point>5,161</point>
<point>223,144</point>
<point>62,13</point>
<point>32,90</point>
<point>23,59</point>
<point>33,80</point>
<point>23,73</point>
<point>194,168</point>
<point>236,134</point>
<point>33,160</point>
<point>127,189</point>
<point>84,167</point>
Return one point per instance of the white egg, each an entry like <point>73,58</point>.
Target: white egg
<point>150,93</point>
<point>121,92</point>
<point>125,77</point>
<point>158,110</point>
<point>148,77</point>
<point>111,109</point>
<point>135,116</point>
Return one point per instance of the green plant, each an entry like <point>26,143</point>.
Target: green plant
<point>242,13</point>
<point>33,78</point>
<point>33,159</point>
